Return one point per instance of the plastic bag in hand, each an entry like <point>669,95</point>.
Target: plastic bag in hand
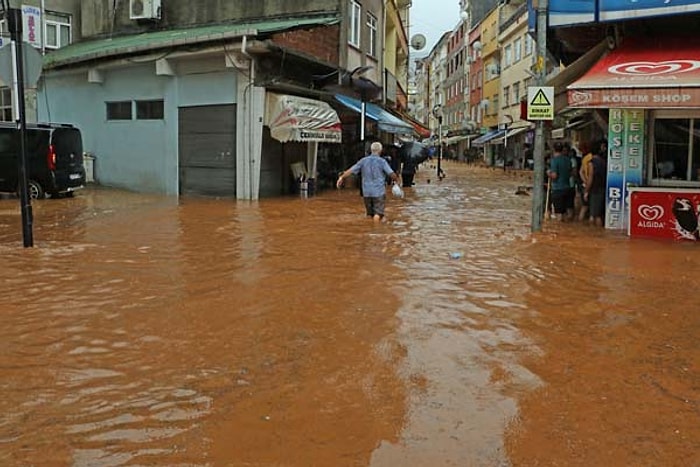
<point>397,191</point>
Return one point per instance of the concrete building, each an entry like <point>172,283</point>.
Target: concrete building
<point>517,60</point>
<point>184,97</point>
<point>57,27</point>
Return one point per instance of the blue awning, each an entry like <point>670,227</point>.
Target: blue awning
<point>485,138</point>
<point>387,122</point>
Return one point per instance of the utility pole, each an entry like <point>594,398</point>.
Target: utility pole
<point>14,17</point>
<point>538,194</point>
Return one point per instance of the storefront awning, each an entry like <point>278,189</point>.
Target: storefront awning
<point>421,130</point>
<point>487,137</point>
<point>294,118</point>
<point>643,73</point>
<point>386,121</point>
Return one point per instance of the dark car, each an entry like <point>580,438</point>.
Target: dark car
<point>54,159</point>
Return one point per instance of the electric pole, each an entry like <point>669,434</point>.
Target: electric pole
<point>14,20</point>
<point>538,194</point>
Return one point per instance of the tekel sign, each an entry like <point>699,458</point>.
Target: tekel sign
<point>540,103</point>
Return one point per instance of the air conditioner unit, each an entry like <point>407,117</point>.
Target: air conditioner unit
<point>144,9</point>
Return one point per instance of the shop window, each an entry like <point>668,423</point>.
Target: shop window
<point>119,110</point>
<point>676,149</point>
<point>5,105</point>
<point>354,23</point>
<point>150,110</point>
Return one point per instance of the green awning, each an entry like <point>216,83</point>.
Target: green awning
<point>137,43</point>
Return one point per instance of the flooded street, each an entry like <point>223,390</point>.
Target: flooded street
<point>294,332</point>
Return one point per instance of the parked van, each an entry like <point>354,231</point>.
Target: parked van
<point>54,159</point>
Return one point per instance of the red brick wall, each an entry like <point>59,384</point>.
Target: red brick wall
<point>320,42</point>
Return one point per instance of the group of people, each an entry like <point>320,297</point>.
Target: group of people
<point>584,175</point>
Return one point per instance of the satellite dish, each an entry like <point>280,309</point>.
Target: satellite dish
<point>477,45</point>
<point>418,41</point>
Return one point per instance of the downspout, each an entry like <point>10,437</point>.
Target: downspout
<point>384,77</point>
<point>42,7</point>
<point>248,110</point>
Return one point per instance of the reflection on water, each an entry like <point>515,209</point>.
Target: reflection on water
<point>147,331</point>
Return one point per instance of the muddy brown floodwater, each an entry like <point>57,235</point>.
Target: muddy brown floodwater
<point>294,332</point>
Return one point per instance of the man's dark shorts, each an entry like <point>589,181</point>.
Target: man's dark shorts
<point>375,205</point>
<point>596,204</point>
<point>562,200</point>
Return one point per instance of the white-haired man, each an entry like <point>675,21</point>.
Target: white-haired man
<point>374,170</point>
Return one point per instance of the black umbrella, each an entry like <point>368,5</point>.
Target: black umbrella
<point>414,153</point>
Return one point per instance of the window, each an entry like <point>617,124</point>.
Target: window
<point>676,149</point>
<point>354,23</point>
<point>517,50</point>
<point>372,27</point>
<point>516,93</point>
<point>58,30</point>
<point>528,44</point>
<point>494,108</point>
<point>149,110</point>
<point>5,105</point>
<point>119,110</point>
<point>508,56</point>
<point>506,96</point>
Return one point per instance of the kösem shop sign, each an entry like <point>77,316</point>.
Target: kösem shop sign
<point>664,213</point>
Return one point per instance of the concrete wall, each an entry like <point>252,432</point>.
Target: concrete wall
<point>140,155</point>
<point>100,17</point>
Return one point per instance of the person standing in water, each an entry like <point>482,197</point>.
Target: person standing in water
<point>374,170</point>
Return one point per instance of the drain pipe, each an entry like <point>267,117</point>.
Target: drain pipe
<point>248,110</point>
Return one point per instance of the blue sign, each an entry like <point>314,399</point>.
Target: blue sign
<point>614,10</point>
<point>565,12</point>
<point>571,12</point>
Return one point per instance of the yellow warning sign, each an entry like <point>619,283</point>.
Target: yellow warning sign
<point>540,103</point>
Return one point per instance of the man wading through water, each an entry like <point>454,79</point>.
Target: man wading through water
<point>374,170</point>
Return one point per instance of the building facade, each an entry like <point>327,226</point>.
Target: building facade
<point>179,99</point>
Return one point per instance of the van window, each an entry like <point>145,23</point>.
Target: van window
<point>67,141</point>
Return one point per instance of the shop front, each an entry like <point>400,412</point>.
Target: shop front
<point>651,88</point>
<point>295,126</point>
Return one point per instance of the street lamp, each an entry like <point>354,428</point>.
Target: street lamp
<point>437,113</point>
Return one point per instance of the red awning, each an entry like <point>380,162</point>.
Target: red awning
<point>643,73</point>
<point>422,131</point>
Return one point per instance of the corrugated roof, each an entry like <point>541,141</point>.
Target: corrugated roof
<point>131,44</point>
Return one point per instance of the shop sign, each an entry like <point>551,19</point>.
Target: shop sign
<point>670,214</point>
<point>625,159</point>
<point>661,98</point>
<point>31,21</point>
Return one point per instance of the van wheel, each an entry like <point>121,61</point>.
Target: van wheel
<point>35,190</point>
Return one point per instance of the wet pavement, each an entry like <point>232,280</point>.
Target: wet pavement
<point>295,332</point>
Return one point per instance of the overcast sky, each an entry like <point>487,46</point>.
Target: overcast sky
<point>432,18</point>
